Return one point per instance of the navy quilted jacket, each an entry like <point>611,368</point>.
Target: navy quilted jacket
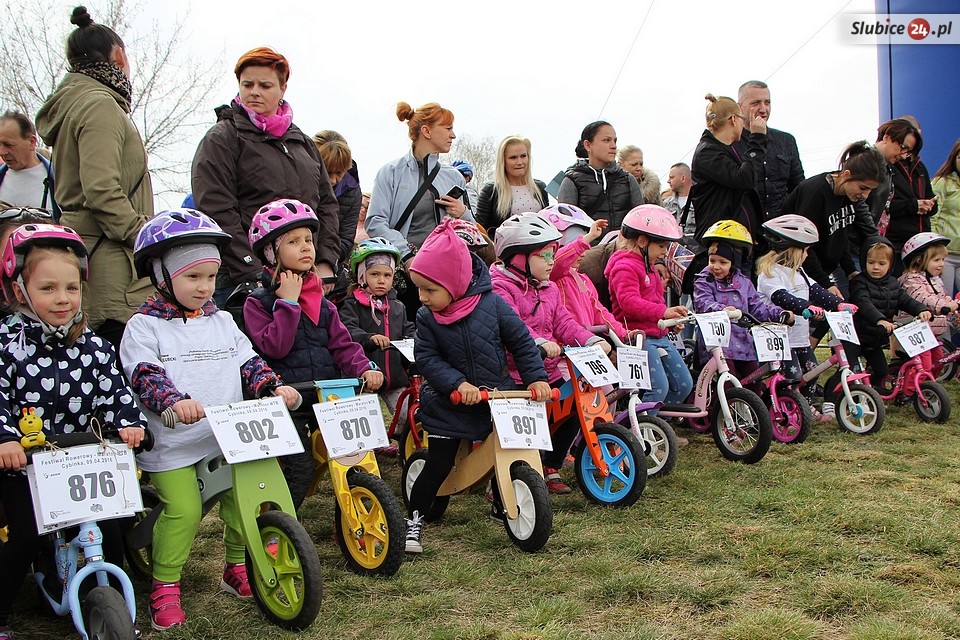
<point>472,349</point>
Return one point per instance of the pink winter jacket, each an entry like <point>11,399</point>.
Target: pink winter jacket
<point>546,319</point>
<point>929,291</point>
<point>636,296</point>
<point>577,292</point>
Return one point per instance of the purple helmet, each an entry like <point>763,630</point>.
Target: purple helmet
<point>27,236</point>
<point>277,218</point>
<point>169,229</point>
<point>573,222</point>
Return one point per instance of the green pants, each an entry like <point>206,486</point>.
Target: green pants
<point>177,526</point>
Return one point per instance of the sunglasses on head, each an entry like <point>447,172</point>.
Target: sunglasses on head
<point>25,214</point>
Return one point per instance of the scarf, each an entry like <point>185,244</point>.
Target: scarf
<point>277,124</point>
<point>311,296</point>
<point>457,310</point>
<point>380,304</point>
<point>107,74</point>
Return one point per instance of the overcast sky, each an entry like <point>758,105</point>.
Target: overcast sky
<point>545,69</point>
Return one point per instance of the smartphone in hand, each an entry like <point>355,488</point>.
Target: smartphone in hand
<point>456,192</point>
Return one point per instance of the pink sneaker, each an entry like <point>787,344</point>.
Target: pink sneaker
<point>165,609</point>
<point>235,580</point>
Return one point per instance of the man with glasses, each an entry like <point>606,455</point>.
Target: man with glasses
<point>902,205</point>
<point>782,169</point>
<point>26,177</point>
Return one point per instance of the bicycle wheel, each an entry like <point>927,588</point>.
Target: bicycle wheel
<point>378,545</point>
<point>863,412</point>
<point>532,528</point>
<point>949,369</point>
<point>932,404</point>
<point>141,560</point>
<point>408,444</point>
<point>411,470</point>
<point>748,438</point>
<point>662,440</point>
<point>294,600</point>
<point>795,420</point>
<point>105,615</point>
<point>626,461</point>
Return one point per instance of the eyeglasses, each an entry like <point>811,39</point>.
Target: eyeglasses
<point>905,149</point>
<point>25,214</point>
<point>739,115</point>
<point>547,255</point>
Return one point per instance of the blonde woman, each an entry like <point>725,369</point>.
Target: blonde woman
<point>514,189</point>
<point>630,157</point>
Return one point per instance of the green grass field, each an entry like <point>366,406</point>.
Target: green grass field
<point>842,537</point>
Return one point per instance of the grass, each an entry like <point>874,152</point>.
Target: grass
<point>843,537</point>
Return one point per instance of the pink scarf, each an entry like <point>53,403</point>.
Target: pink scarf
<point>311,296</point>
<point>277,124</point>
<point>457,310</point>
<point>376,304</point>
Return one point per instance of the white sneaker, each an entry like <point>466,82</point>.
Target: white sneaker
<point>414,533</point>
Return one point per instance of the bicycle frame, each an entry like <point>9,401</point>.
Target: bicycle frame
<point>90,540</point>
<point>410,395</point>
<point>838,358</point>
<point>909,376</point>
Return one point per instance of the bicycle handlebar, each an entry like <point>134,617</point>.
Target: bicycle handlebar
<point>735,314</point>
<point>526,394</point>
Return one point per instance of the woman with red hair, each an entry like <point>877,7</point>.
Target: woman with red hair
<point>255,155</point>
<point>412,194</point>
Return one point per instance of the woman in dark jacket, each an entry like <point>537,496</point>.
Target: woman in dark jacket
<point>596,183</point>
<point>513,190</point>
<point>255,155</point>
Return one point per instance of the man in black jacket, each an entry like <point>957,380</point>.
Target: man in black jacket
<point>782,170</point>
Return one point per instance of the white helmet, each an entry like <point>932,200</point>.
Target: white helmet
<point>919,243</point>
<point>573,222</point>
<point>523,233</point>
<point>790,230</point>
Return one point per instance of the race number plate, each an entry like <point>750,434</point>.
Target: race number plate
<point>771,342</point>
<point>916,337</point>
<point>254,429</point>
<point>841,324</point>
<point>634,368</point>
<point>715,328</point>
<point>521,424</point>
<point>405,347</point>
<point>83,483</point>
<point>350,425</point>
<point>593,364</point>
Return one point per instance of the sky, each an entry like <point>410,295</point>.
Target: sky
<point>546,69</point>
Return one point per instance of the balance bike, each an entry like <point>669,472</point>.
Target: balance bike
<point>609,460</point>
<point>404,427</point>
<point>655,434</point>
<point>103,612</point>
<point>517,472</point>
<point>281,559</point>
<point>859,408</point>
<point>907,378</point>
<point>369,519</point>
<point>737,418</point>
<point>790,413</point>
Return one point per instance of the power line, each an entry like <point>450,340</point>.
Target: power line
<point>626,58</point>
<point>809,39</point>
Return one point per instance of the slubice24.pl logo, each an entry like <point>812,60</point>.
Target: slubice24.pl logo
<point>872,28</point>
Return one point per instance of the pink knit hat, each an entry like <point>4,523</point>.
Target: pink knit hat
<point>445,259</point>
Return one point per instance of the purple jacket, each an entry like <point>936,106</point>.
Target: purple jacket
<point>545,316</point>
<point>710,294</point>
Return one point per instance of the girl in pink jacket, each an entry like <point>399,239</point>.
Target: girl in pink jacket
<point>637,295</point>
<point>526,246</point>
<point>577,292</point>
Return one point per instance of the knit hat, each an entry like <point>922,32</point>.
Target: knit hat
<point>726,250</point>
<point>182,257</point>
<point>445,259</point>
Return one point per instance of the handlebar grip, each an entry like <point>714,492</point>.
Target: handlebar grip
<point>523,394</point>
<point>807,314</point>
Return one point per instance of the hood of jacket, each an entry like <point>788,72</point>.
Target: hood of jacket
<point>75,89</point>
<point>480,280</point>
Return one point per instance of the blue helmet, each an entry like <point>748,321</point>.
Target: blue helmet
<point>463,167</point>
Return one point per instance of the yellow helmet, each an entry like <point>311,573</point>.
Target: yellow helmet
<point>729,231</point>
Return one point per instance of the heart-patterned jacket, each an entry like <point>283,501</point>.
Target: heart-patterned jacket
<point>65,386</point>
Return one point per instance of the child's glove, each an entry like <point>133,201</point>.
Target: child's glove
<point>815,311</point>
<point>847,306</point>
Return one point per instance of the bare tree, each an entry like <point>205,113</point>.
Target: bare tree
<point>170,86</point>
<point>480,152</point>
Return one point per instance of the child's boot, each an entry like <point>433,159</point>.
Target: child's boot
<point>555,483</point>
<point>165,608</point>
<point>235,580</point>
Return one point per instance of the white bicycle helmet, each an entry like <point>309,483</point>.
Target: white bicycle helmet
<point>571,221</point>
<point>919,243</point>
<point>790,230</point>
<point>522,234</point>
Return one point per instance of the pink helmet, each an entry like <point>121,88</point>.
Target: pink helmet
<point>277,218</point>
<point>651,221</point>
<point>469,233</point>
<point>28,236</point>
<point>919,243</point>
<point>571,221</point>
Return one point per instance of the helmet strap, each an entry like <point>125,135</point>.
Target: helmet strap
<point>49,331</point>
<point>167,292</point>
